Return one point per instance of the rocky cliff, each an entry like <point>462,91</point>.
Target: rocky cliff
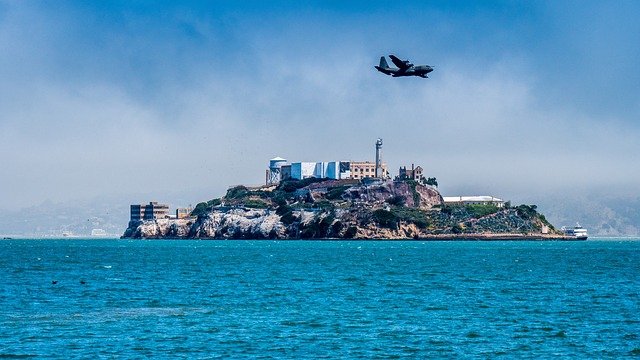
<point>333,209</point>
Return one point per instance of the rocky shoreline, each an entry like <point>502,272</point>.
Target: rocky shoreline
<point>335,210</point>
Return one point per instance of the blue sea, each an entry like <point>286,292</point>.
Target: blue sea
<point>319,299</point>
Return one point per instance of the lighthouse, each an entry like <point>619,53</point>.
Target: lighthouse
<point>379,173</point>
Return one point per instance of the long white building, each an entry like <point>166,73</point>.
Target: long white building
<point>473,200</point>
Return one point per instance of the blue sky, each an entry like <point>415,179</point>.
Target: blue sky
<point>158,100</point>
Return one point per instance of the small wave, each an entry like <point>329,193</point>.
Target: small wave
<point>17,356</point>
<point>559,334</point>
<point>437,308</point>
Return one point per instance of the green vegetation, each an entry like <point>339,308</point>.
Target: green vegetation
<point>214,202</point>
<point>324,205</point>
<point>386,219</point>
<point>544,220</point>
<point>256,204</point>
<point>288,218</point>
<point>431,181</point>
<point>283,209</point>
<point>410,215</point>
<point>356,212</point>
<point>286,214</point>
<point>204,208</point>
<point>237,192</point>
<point>397,200</point>
<point>527,212</point>
<point>335,193</point>
<point>477,211</point>
<point>291,185</point>
<point>200,210</point>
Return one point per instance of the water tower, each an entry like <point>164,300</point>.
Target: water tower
<point>275,172</point>
<point>379,172</point>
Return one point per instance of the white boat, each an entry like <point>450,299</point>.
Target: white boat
<point>577,231</point>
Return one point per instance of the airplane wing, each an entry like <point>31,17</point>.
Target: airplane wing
<point>402,65</point>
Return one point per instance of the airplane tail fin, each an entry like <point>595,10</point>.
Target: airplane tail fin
<point>383,63</point>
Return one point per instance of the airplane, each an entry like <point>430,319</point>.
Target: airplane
<point>404,68</point>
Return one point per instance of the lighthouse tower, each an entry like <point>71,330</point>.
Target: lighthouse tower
<point>379,173</point>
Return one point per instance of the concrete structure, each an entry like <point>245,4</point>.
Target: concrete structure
<point>274,172</point>
<point>414,174</point>
<point>333,170</point>
<point>280,170</point>
<point>473,200</point>
<point>182,213</point>
<point>337,170</point>
<point>151,211</point>
<point>302,170</point>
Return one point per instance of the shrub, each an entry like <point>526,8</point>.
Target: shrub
<point>288,186</point>
<point>257,204</point>
<point>386,219</point>
<point>237,192</point>
<point>324,225</point>
<point>200,210</point>
<point>410,215</point>
<point>526,211</point>
<point>214,202</point>
<point>325,205</point>
<point>288,218</point>
<point>335,192</point>
<point>351,232</point>
<point>279,199</point>
<point>397,200</point>
<point>283,209</point>
<point>478,210</point>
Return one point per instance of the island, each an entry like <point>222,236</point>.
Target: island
<point>364,209</point>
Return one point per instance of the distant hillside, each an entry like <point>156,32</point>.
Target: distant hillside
<point>53,219</point>
<point>344,209</point>
<point>602,215</point>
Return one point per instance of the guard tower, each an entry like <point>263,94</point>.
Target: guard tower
<point>379,172</point>
<point>275,170</point>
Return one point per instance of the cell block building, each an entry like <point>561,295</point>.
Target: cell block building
<point>150,211</point>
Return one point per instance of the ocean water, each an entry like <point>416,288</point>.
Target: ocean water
<point>319,299</point>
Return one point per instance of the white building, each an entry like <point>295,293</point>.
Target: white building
<point>473,200</point>
<point>332,170</point>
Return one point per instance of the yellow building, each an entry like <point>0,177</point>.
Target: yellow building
<point>182,213</point>
<point>365,169</point>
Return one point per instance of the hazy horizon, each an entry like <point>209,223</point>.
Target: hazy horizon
<point>114,99</point>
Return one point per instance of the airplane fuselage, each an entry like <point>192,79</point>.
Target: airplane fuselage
<point>407,69</point>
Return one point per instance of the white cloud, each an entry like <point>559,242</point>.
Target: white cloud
<point>154,114</point>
